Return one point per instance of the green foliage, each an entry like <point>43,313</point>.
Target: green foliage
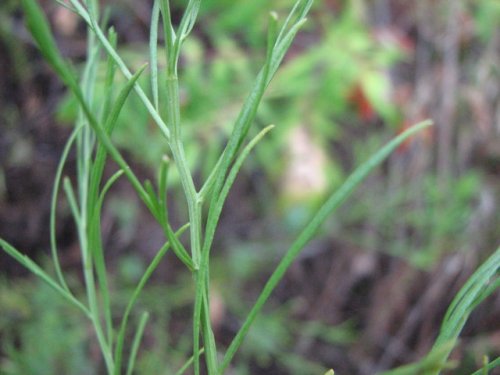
<point>483,283</point>
<point>98,118</point>
<point>314,88</point>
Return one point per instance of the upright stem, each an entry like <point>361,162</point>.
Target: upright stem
<point>86,143</point>
<point>195,217</point>
<point>194,209</point>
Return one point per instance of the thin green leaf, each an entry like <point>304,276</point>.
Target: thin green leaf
<point>249,109</point>
<point>215,211</point>
<point>162,190</point>
<point>201,317</point>
<point>67,6</point>
<point>35,269</point>
<point>70,195</point>
<point>179,249</point>
<point>335,200</point>
<point>100,158</point>
<point>80,10</point>
<point>153,52</point>
<point>469,296</point>
<point>188,363</point>
<point>122,97</point>
<point>473,285</point>
<point>185,27</point>
<point>95,203</point>
<point>124,69</point>
<point>486,360</point>
<point>97,258</point>
<point>475,290</point>
<point>188,20</point>
<point>135,295</point>
<point>486,292</point>
<point>488,367</point>
<point>95,244</point>
<point>431,364</point>
<point>148,186</point>
<point>53,207</point>
<point>208,333</point>
<point>136,343</point>
<point>272,32</point>
<point>108,185</point>
<point>112,150</point>
<point>38,26</point>
<point>296,15</point>
<point>109,80</point>
<point>209,184</point>
<point>201,278</point>
<point>40,30</point>
<point>168,29</point>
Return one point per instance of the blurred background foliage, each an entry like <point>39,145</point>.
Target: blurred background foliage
<point>369,293</point>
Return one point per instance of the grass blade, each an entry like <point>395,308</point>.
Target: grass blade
<point>153,52</point>
<point>95,244</point>
<point>94,203</point>
<point>121,99</point>
<point>335,200</point>
<point>188,19</point>
<point>490,366</point>
<point>53,207</point>
<point>70,195</point>
<point>201,298</point>
<point>38,25</point>
<point>188,363</point>
<point>429,365</point>
<point>35,269</point>
<point>482,283</point>
<point>162,190</point>
<point>249,110</point>
<point>214,213</point>
<point>126,72</point>
<point>39,28</point>
<point>135,295</point>
<point>109,80</point>
<point>137,342</point>
<point>475,290</point>
<point>178,248</point>
<point>185,27</point>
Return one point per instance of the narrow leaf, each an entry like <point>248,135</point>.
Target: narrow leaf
<point>215,211</point>
<point>153,51</point>
<point>335,200</point>
<point>70,195</point>
<point>249,109</point>
<point>40,30</point>
<point>53,207</point>
<point>121,99</point>
<point>137,342</point>
<point>135,295</point>
<point>109,80</point>
<point>35,269</point>
<point>188,363</point>
<point>488,367</point>
<point>469,296</point>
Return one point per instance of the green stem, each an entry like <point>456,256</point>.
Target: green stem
<point>193,202</point>
<point>121,65</point>
<point>87,201</point>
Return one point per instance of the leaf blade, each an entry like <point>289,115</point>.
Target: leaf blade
<point>332,203</point>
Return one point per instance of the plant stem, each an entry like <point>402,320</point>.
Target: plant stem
<point>195,214</point>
